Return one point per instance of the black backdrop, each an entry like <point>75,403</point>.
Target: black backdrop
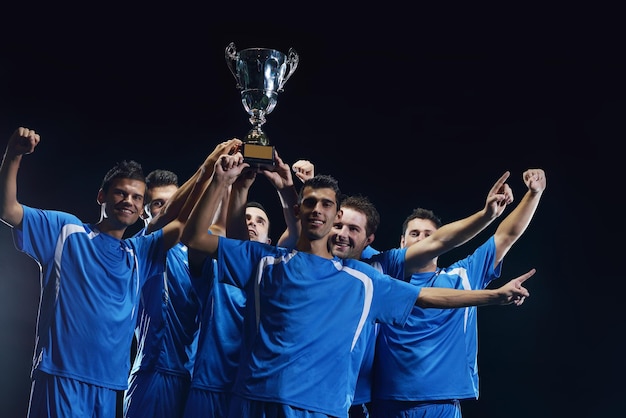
<point>411,107</point>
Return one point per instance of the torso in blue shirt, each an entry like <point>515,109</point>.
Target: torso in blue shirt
<point>90,292</point>
<point>390,262</point>
<point>168,318</point>
<point>217,358</point>
<point>434,356</point>
<point>311,312</point>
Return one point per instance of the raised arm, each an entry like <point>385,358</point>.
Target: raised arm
<point>511,293</point>
<point>177,209</point>
<point>23,141</point>
<point>304,170</point>
<point>195,233</point>
<point>236,226</point>
<point>282,180</point>
<point>516,222</point>
<point>456,233</point>
<point>174,205</point>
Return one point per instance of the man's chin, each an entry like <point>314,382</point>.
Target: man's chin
<point>128,221</point>
<point>340,252</point>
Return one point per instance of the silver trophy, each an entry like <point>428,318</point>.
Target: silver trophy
<point>261,74</point>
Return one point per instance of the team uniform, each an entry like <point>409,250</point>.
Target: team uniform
<point>309,313</point>
<point>426,367</point>
<point>390,262</point>
<point>219,343</point>
<point>90,286</point>
<point>166,333</point>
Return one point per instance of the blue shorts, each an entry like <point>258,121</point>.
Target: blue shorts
<point>260,409</point>
<point>416,409</point>
<point>206,404</point>
<point>156,394</point>
<point>56,396</point>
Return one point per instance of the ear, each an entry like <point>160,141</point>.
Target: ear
<point>269,240</point>
<point>402,241</point>
<point>100,197</point>
<point>145,213</point>
<point>370,239</point>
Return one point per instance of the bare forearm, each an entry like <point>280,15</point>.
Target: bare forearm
<point>12,211</point>
<point>518,220</point>
<point>176,204</point>
<point>437,297</point>
<point>288,199</point>
<point>195,234</point>
<point>236,220</point>
<point>459,232</point>
<point>444,239</point>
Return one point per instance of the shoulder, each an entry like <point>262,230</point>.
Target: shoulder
<point>52,217</point>
<point>392,254</point>
<point>362,266</point>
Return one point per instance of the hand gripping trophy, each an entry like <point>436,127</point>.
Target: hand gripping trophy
<point>261,74</point>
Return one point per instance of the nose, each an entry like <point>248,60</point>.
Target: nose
<point>319,207</point>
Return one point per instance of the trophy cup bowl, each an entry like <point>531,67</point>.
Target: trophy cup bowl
<point>261,74</point>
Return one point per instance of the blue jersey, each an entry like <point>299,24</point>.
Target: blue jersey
<point>309,315</point>
<point>390,262</point>
<point>168,319</point>
<point>434,356</point>
<point>217,359</point>
<point>368,252</point>
<point>90,285</point>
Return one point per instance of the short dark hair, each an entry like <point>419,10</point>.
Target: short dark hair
<point>160,178</point>
<point>365,206</point>
<point>322,181</point>
<point>255,204</point>
<point>123,170</point>
<point>421,213</point>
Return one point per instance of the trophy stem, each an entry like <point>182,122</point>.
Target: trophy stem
<point>256,134</point>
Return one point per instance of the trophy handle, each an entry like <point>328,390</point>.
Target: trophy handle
<point>231,60</point>
<point>292,63</point>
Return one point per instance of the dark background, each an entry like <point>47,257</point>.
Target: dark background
<point>408,105</point>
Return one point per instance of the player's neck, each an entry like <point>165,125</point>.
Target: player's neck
<point>317,247</point>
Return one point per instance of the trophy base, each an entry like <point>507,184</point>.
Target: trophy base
<point>259,155</point>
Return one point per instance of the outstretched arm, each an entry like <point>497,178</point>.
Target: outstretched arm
<point>456,233</point>
<point>511,293</point>
<point>23,141</point>
<point>516,222</point>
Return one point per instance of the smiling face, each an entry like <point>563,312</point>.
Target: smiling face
<point>317,212</point>
<point>122,204</point>
<point>348,237</point>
